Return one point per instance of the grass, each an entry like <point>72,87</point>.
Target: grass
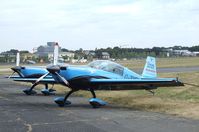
<point>163,62</point>
<point>5,73</point>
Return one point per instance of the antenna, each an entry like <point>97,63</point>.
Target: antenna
<point>17,59</point>
<point>56,54</point>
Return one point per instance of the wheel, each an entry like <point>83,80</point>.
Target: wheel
<point>47,92</point>
<point>60,102</point>
<point>29,92</point>
<point>52,90</point>
<point>95,104</point>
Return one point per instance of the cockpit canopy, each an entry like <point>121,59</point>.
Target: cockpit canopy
<point>108,66</point>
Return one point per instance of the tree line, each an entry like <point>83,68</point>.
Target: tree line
<point>115,52</point>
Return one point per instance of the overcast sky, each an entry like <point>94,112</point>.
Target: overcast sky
<point>90,24</point>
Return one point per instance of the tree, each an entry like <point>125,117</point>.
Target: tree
<point>194,48</point>
<point>157,50</point>
<point>65,57</point>
<point>64,50</point>
<point>24,51</point>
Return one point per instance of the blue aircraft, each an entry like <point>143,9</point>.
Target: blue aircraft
<point>34,72</point>
<point>102,75</point>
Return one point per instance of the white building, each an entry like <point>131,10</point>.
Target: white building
<point>62,56</point>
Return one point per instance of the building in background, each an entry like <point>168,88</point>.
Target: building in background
<point>7,57</point>
<point>27,57</point>
<point>43,51</point>
<point>63,56</point>
<point>105,55</point>
<point>186,53</point>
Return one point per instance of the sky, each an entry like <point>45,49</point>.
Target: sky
<point>90,24</point>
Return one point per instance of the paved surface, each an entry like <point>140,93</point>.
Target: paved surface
<point>22,113</point>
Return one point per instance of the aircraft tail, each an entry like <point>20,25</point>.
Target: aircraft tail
<point>150,68</point>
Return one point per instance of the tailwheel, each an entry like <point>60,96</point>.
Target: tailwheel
<point>29,91</point>
<point>61,102</point>
<point>96,103</point>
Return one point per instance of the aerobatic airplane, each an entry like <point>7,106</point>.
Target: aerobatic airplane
<point>102,75</point>
<point>34,72</point>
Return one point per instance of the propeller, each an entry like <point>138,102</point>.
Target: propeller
<point>17,68</point>
<point>54,69</point>
<point>11,75</point>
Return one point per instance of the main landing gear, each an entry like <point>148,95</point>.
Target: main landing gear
<point>62,101</point>
<point>45,91</point>
<point>95,102</point>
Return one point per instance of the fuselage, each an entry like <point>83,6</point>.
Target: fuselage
<point>108,69</point>
<point>79,76</point>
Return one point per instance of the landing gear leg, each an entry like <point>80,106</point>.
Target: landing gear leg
<point>47,91</point>
<point>93,93</point>
<point>51,89</point>
<point>152,92</point>
<point>63,101</point>
<point>46,86</point>
<point>30,90</point>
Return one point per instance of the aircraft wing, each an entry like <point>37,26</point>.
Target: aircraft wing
<point>17,76</point>
<point>130,84</point>
<point>32,80</point>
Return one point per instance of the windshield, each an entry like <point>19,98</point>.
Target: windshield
<point>107,66</point>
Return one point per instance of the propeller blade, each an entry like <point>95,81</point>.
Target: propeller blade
<point>39,79</point>
<point>36,82</point>
<point>56,54</point>
<point>11,75</point>
<point>62,78</point>
<point>17,59</point>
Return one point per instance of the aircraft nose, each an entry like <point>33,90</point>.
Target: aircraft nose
<point>16,68</point>
<point>53,69</point>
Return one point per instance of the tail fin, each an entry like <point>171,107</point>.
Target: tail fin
<point>150,68</point>
<point>17,59</point>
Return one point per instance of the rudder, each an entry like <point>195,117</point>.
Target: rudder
<point>150,68</point>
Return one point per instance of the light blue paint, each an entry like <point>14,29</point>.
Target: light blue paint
<point>101,102</point>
